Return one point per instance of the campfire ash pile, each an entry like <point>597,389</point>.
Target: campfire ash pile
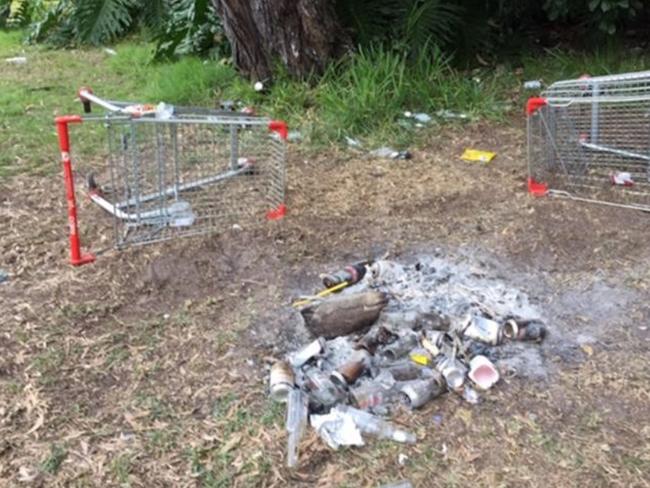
<point>395,335</point>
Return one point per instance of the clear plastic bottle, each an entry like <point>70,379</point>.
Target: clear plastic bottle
<point>371,424</point>
<point>295,424</point>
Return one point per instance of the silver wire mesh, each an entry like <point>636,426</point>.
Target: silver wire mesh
<point>191,174</point>
<point>591,134</point>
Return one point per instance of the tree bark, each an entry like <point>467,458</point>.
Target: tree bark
<point>302,34</point>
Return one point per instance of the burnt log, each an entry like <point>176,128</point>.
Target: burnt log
<point>344,314</point>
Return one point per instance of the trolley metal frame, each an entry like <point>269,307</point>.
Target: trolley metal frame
<point>589,139</point>
<point>176,171</point>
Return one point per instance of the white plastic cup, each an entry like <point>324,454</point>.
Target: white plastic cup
<point>483,372</point>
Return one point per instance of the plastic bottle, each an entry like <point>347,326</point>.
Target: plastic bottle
<point>295,424</point>
<point>373,425</point>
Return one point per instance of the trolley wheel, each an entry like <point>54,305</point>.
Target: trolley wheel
<point>91,184</point>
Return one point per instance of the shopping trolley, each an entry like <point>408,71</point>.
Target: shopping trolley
<point>177,171</point>
<point>589,139</point>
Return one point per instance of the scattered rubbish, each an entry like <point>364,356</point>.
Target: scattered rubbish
<point>294,136</point>
<point>402,459</point>
<point>482,372</point>
<point>376,426</point>
<point>532,85</point>
<point>110,52</point>
<point>420,117</point>
<point>342,315</point>
<point>350,372</point>
<point>524,331</point>
<point>323,391</point>
<point>417,393</point>
<point>353,142</point>
<point>400,337</point>
<point>16,60</point>
<point>337,429</point>
<point>281,381</point>
<point>389,153</point>
<point>449,114</point>
<point>258,86</point>
<point>421,356</point>
<point>303,355</point>
<point>475,155</point>
<point>470,395</point>
<point>453,371</point>
<point>227,105</point>
<point>350,274</point>
<point>483,330</point>
<point>164,111</point>
<point>296,422</point>
<point>139,109</point>
<point>4,276</point>
<point>621,178</point>
<point>398,484</point>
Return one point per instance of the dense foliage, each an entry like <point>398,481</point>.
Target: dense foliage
<point>461,27</point>
<point>177,26</point>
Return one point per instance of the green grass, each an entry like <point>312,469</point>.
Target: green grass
<point>53,462</point>
<point>361,96</point>
<point>121,468</point>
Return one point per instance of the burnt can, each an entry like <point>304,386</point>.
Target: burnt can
<point>524,330</point>
<point>281,381</point>
<point>374,338</point>
<point>453,371</point>
<point>405,371</point>
<point>484,330</point>
<point>401,347</point>
<point>349,373</point>
<point>417,393</point>
<point>350,274</point>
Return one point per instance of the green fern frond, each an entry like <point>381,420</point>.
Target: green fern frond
<point>155,13</point>
<point>370,20</point>
<point>5,10</point>
<point>22,13</point>
<point>100,21</point>
<point>433,21</point>
<point>191,28</point>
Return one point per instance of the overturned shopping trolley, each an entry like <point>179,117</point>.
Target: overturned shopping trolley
<point>175,171</point>
<point>589,139</point>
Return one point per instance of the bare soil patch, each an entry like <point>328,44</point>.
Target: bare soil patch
<point>148,367</point>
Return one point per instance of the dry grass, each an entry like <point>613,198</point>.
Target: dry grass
<point>142,370</point>
<point>148,367</point>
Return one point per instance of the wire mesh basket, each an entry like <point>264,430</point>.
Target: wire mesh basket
<point>175,172</point>
<point>589,139</point>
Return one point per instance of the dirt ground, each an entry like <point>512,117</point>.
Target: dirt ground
<point>148,367</point>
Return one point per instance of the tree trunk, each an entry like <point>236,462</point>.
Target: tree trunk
<point>302,34</point>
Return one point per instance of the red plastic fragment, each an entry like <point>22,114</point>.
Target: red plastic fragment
<point>279,127</point>
<point>536,188</point>
<point>277,213</point>
<point>534,104</point>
